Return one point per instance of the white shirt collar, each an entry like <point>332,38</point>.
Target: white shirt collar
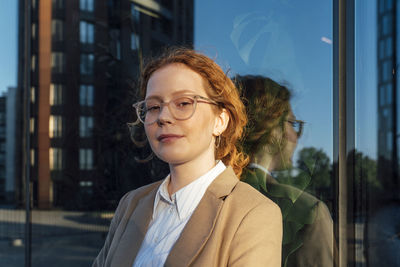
<point>258,166</point>
<point>188,197</point>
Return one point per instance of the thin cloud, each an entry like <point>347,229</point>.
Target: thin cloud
<point>326,40</point>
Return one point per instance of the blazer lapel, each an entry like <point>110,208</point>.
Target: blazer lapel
<point>202,222</point>
<point>132,236</point>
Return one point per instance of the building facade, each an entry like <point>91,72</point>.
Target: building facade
<point>85,59</point>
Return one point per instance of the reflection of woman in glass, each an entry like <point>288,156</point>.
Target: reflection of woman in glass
<point>201,214</point>
<point>271,138</point>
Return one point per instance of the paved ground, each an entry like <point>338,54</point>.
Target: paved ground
<point>59,238</point>
<point>64,238</point>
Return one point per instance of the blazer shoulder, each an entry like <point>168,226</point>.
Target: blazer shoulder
<point>132,197</point>
<point>251,197</point>
<point>140,192</point>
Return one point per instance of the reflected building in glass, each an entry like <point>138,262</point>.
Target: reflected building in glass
<point>3,129</point>
<point>85,59</point>
<point>387,97</point>
<point>382,225</point>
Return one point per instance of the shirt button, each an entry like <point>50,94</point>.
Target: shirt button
<point>170,210</point>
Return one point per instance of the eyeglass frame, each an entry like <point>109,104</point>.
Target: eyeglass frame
<point>195,97</point>
<point>301,126</point>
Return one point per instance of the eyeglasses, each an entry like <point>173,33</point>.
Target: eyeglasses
<point>181,107</point>
<point>297,126</point>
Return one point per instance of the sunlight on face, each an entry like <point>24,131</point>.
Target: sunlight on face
<point>180,141</point>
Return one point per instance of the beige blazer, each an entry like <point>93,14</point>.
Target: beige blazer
<point>233,225</point>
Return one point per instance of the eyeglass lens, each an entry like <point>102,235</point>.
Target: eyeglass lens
<point>297,126</point>
<point>181,108</point>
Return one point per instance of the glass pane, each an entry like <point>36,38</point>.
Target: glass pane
<point>376,174</point>
<point>12,214</point>
<point>84,158</point>
<point>280,54</point>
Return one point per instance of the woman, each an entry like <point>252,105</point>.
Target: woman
<point>271,139</point>
<point>201,214</point>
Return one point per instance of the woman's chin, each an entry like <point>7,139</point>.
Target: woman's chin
<point>171,158</point>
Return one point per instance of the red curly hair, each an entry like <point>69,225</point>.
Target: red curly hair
<point>220,89</point>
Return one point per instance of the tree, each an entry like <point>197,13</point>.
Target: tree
<point>316,163</point>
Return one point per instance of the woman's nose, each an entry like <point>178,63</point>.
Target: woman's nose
<point>165,115</point>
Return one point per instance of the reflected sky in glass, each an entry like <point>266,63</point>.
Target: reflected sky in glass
<point>366,77</point>
<point>286,40</point>
<point>8,44</point>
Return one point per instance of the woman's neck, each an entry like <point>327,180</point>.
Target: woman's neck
<point>182,174</point>
<point>265,160</point>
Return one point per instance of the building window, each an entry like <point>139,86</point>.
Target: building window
<point>86,159</point>
<point>387,70</point>
<point>135,13</point>
<point>33,96</point>
<point>57,30</point>
<point>56,91</point>
<point>32,125</point>
<point>166,25</point>
<point>2,120</point>
<point>387,24</point>
<point>32,157</point>
<point>55,158</point>
<point>58,4</point>
<point>389,47</point>
<point>86,5</point>
<point>85,183</point>
<point>34,31</point>
<point>86,32</point>
<point>86,95</point>
<point>33,63</point>
<point>57,62</point>
<point>85,126</point>
<point>86,187</point>
<point>389,94</point>
<point>134,41</point>
<point>55,126</point>
<point>87,63</point>
<point>115,43</point>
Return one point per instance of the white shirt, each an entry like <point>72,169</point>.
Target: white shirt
<point>170,215</point>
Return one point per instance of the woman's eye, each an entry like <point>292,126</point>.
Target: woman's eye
<point>183,103</point>
<point>153,108</point>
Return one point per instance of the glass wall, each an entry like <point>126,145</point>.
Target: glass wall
<point>68,80</point>
<point>376,114</point>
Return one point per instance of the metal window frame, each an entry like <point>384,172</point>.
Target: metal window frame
<point>344,128</point>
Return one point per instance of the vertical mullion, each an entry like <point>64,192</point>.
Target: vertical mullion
<point>27,115</point>
<point>344,127</point>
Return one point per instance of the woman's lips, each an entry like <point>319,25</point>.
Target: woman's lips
<point>167,138</point>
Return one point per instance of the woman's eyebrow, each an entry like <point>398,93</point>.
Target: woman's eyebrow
<point>153,97</point>
<point>176,93</point>
<point>183,91</point>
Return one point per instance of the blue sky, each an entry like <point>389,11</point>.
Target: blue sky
<point>8,45</point>
<point>286,40</point>
<point>290,41</point>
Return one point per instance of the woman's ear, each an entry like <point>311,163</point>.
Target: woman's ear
<point>221,122</point>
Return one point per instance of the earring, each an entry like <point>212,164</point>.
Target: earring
<point>217,141</point>
<point>146,159</point>
<point>131,128</point>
